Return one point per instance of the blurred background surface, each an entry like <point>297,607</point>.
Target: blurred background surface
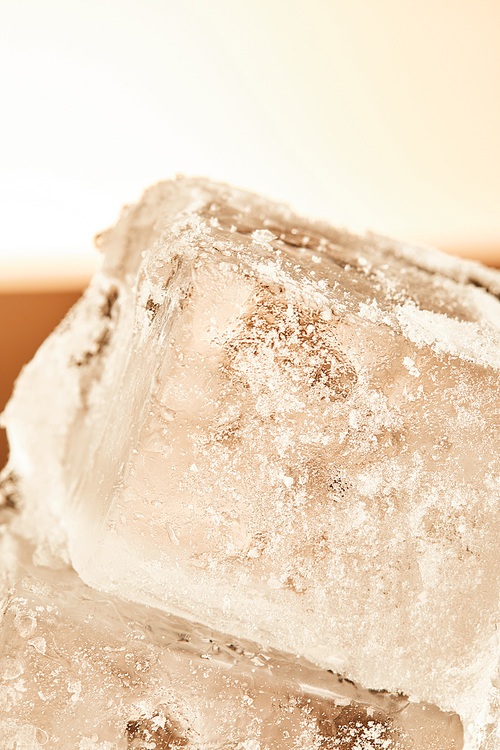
<point>376,114</point>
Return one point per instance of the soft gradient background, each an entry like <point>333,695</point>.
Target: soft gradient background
<point>380,114</point>
<point>373,113</point>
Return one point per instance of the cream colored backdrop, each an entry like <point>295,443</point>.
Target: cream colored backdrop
<point>373,113</point>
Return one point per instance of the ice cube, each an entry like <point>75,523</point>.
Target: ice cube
<point>228,427</point>
<point>82,670</point>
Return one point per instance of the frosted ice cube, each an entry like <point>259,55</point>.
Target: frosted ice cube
<point>226,427</point>
<point>82,670</point>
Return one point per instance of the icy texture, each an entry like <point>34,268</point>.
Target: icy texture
<point>80,670</point>
<point>282,431</point>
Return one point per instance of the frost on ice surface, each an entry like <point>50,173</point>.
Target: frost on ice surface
<point>288,434</point>
<point>81,669</point>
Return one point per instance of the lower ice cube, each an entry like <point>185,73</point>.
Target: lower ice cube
<point>87,671</point>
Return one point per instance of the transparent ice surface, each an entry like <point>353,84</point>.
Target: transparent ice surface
<point>284,432</point>
<point>82,670</point>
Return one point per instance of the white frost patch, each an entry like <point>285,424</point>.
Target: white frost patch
<point>410,366</point>
<point>459,338</point>
<point>263,237</point>
<point>370,311</point>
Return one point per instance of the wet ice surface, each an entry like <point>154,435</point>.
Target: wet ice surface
<point>287,433</point>
<point>80,669</point>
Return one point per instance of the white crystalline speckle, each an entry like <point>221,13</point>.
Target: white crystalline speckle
<point>410,366</point>
<point>75,689</point>
<point>269,271</point>
<point>370,311</point>
<point>263,236</point>
<point>445,335</point>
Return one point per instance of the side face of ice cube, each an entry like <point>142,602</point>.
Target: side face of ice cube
<point>285,432</point>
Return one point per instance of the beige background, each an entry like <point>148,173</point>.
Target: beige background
<point>374,113</point>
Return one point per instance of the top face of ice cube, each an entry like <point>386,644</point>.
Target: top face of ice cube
<point>281,430</point>
<point>376,267</point>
